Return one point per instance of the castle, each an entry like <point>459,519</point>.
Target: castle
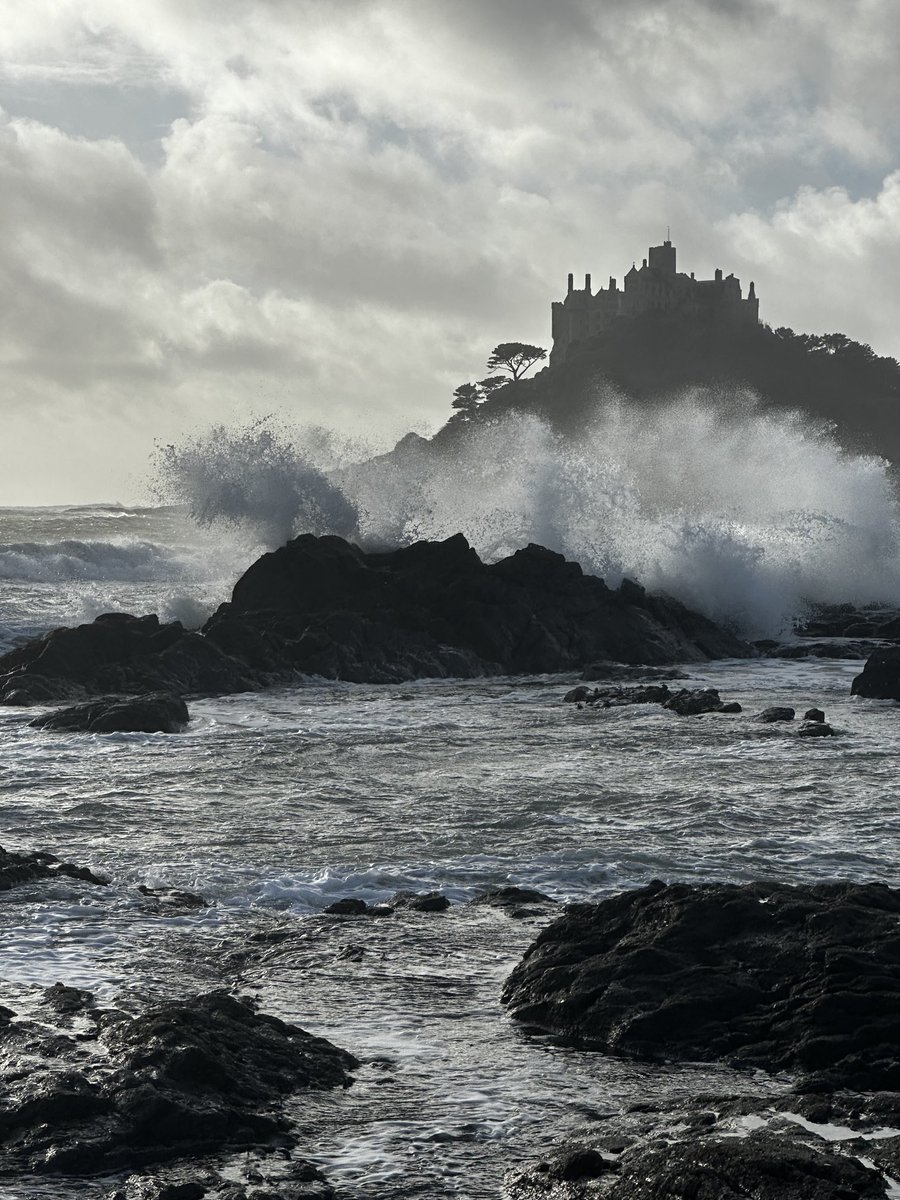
<point>654,287</point>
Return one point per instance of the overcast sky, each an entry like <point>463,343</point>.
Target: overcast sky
<point>333,209</point>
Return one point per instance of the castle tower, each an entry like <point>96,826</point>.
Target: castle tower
<point>662,258</point>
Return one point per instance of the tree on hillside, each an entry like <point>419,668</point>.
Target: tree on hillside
<point>489,386</point>
<point>515,358</point>
<point>466,398</point>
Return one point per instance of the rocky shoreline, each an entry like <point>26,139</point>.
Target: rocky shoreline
<point>322,607</point>
<point>799,983</point>
<point>796,984</point>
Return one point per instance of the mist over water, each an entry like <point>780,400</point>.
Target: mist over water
<point>743,514</point>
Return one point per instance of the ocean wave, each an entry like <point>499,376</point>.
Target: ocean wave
<point>130,562</point>
<point>744,514</point>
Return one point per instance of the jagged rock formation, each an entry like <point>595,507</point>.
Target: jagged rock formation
<point>184,1079</point>
<point>322,606</point>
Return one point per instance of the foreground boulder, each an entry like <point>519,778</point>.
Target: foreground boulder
<point>699,1166</point>
<point>880,678</point>
<point>206,1075</point>
<point>321,606</point>
<point>803,979</point>
<point>159,712</point>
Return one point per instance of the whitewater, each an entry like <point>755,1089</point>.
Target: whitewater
<point>273,805</point>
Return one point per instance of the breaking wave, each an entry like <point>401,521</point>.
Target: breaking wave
<point>743,514</point>
<point>128,562</point>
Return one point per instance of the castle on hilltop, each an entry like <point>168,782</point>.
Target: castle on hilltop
<point>654,287</point>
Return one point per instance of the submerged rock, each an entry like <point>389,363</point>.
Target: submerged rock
<point>815,728</point>
<point>159,712</point>
<point>174,898</point>
<point>803,979</point>
<point>688,703</point>
<point>188,1078</point>
<point>420,901</point>
<point>769,716</point>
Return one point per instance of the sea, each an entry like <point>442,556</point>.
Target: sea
<point>272,805</point>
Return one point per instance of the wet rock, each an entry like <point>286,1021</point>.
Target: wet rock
<point>174,897</point>
<point>209,1074</point>
<point>67,1000</point>
<point>814,714</point>
<point>571,1165</point>
<point>688,703</point>
<point>578,695</point>
<point>348,907</point>
<point>29,865</point>
<point>880,677</point>
<point>294,1179</point>
<point>760,1165</point>
<point>803,979</point>
<point>776,713</point>
<point>516,901</point>
<point>623,672</point>
<point>155,713</point>
<point>833,650</point>
<point>731,707</point>
<point>420,901</point>
<point>815,729</point>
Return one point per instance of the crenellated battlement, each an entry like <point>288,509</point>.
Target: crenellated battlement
<point>655,286</point>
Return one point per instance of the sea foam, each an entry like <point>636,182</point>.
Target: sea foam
<point>747,515</point>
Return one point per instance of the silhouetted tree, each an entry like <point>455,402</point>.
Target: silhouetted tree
<point>491,384</point>
<point>515,358</point>
<point>466,398</point>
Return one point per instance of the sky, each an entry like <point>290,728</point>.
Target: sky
<point>332,210</point>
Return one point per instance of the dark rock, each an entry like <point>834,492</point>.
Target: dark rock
<point>74,872</point>
<point>835,650</point>
<point>348,907</point>
<point>815,729</point>
<point>206,1075</point>
<point>622,672</point>
<point>687,703</point>
<point>731,707</point>
<point>420,901</point>
<point>618,697</point>
<point>174,897</point>
<point>761,1165</point>
<point>578,695</point>
<point>67,1000</point>
<point>814,714</point>
<point>511,896</point>
<point>29,865</point>
<point>155,713</point>
<point>803,979</point>
<point>776,713</point>
<point>880,677</point>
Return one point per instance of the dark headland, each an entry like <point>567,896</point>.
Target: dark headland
<point>663,333</point>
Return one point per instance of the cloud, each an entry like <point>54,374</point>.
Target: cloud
<point>830,257</point>
<point>338,210</point>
